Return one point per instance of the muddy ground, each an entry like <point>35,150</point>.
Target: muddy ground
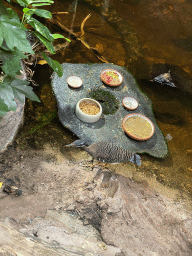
<point>68,207</point>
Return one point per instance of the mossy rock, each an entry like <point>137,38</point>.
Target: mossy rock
<point>107,100</point>
<point>109,127</point>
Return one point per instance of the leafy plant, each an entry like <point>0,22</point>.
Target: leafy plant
<point>14,46</point>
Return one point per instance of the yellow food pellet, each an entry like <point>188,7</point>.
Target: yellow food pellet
<point>89,108</point>
<point>138,127</point>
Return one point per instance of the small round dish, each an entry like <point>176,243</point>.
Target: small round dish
<point>111,77</point>
<point>130,103</point>
<point>138,127</point>
<point>88,110</point>
<point>74,81</point>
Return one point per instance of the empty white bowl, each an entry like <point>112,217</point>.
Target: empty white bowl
<point>130,103</point>
<point>74,81</point>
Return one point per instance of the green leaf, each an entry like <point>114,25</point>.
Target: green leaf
<point>19,87</point>
<point>35,5</point>
<point>1,34</point>
<point>56,36</point>
<point>19,95</point>
<point>6,94</point>
<point>39,27</point>
<point>28,13</point>
<point>38,12</point>
<point>37,1</point>
<point>13,15</point>
<point>3,108</point>
<point>14,35</point>
<point>23,3</point>
<point>3,10</point>
<point>7,54</point>
<point>56,66</point>
<point>12,66</point>
<point>43,13</point>
<point>4,46</point>
<point>25,10</point>
<point>47,43</point>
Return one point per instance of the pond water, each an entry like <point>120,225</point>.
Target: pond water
<point>148,38</point>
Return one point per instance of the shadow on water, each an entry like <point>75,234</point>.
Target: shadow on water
<point>152,40</point>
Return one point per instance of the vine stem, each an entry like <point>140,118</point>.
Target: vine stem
<point>23,18</point>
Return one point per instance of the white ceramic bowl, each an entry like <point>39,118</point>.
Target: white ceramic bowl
<point>74,81</point>
<point>130,103</point>
<point>85,117</point>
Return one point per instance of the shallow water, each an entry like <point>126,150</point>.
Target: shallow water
<point>140,35</point>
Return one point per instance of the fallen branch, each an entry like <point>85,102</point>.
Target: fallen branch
<point>55,13</point>
<point>83,23</point>
<point>95,51</point>
<point>74,14</point>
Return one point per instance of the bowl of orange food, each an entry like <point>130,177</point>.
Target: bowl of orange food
<point>111,77</point>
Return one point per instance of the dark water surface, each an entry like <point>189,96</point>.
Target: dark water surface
<point>148,38</point>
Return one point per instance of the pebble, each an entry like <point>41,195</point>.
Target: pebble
<point>168,137</point>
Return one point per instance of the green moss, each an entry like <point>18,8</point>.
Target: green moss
<point>107,100</point>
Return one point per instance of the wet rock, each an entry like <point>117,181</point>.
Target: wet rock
<point>115,205</point>
<point>179,78</point>
<point>66,231</point>
<point>134,220</point>
<point>10,124</point>
<point>168,137</point>
<point>102,129</point>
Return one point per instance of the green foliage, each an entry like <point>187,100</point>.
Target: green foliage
<point>14,46</point>
<point>11,61</point>
<point>13,33</point>
<point>54,64</point>
<point>56,36</point>
<point>38,12</point>
<point>46,42</point>
<point>12,88</point>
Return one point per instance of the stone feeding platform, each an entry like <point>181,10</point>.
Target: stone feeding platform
<point>109,127</point>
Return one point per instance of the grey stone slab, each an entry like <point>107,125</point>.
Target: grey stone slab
<point>11,122</point>
<point>9,125</point>
<point>109,127</point>
<point>67,233</point>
